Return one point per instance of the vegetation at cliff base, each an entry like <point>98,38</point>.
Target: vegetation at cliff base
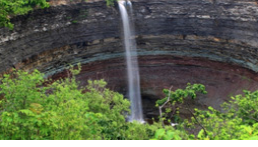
<point>32,107</point>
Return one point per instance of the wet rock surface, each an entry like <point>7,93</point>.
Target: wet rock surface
<point>213,42</point>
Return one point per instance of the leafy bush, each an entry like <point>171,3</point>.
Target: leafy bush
<point>31,110</point>
<point>238,120</point>
<point>174,101</point>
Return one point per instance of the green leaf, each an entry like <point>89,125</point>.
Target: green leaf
<point>159,133</point>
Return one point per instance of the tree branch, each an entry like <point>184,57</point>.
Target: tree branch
<point>205,132</point>
<point>160,107</point>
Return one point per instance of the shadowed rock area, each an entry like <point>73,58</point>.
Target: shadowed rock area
<point>213,42</point>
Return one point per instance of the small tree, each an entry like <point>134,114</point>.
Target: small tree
<point>174,100</point>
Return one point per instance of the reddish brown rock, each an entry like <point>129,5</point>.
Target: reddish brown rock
<point>222,80</point>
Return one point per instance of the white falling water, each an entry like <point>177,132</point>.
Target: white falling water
<point>132,63</point>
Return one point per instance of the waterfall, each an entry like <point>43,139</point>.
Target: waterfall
<point>131,62</point>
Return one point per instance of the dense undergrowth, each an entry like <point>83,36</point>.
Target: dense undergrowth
<point>32,109</point>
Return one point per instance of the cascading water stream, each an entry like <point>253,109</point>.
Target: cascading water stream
<point>131,62</point>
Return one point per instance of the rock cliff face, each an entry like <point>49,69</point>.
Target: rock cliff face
<point>213,42</point>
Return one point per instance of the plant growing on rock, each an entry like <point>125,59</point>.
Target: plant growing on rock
<point>10,8</point>
<point>111,2</point>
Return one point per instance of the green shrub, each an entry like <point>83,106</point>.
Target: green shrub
<point>31,110</point>
<point>237,121</point>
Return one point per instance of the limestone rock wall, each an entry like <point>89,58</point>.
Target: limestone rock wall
<point>221,30</point>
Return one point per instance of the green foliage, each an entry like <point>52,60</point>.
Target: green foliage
<point>163,134</point>
<point>179,95</point>
<point>177,99</point>
<point>112,106</point>
<point>139,131</point>
<point>9,8</point>
<point>238,120</point>
<point>155,131</point>
<point>30,110</point>
<point>170,133</point>
<point>75,21</point>
<point>244,107</point>
<point>110,2</point>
